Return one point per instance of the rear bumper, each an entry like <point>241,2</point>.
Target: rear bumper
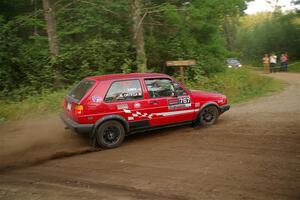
<point>76,127</point>
<point>224,108</point>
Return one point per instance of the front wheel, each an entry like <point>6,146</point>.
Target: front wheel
<point>208,115</point>
<point>110,134</point>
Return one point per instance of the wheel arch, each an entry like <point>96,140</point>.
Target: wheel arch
<point>118,118</point>
<point>211,103</point>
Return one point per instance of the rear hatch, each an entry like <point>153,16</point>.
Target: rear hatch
<point>72,103</point>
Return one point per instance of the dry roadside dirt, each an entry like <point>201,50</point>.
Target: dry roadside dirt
<point>253,152</point>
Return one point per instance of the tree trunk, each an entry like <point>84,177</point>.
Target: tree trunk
<point>51,26</point>
<point>228,37</point>
<point>49,14</point>
<point>35,30</point>
<point>138,37</point>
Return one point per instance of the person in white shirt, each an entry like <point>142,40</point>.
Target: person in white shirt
<point>273,61</point>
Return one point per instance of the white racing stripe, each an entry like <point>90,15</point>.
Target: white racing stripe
<point>176,112</point>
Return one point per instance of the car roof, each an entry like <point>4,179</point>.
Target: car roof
<point>126,76</point>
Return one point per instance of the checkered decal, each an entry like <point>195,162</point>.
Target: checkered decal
<point>137,115</point>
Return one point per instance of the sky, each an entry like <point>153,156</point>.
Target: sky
<point>262,5</point>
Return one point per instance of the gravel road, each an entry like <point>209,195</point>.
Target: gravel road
<point>253,152</point>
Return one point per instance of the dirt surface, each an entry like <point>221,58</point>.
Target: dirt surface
<point>253,152</point>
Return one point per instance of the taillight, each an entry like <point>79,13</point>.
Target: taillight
<point>78,109</point>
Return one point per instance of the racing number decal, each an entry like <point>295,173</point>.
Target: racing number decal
<point>180,103</point>
<point>185,100</point>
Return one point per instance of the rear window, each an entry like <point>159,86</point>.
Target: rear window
<point>124,91</point>
<point>81,89</point>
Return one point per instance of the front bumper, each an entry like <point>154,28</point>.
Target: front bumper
<point>224,108</point>
<point>76,127</point>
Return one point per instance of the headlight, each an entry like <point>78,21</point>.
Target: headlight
<point>222,101</point>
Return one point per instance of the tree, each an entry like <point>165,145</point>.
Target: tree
<point>138,34</point>
<point>49,14</point>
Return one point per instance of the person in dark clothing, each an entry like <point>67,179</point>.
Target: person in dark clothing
<point>283,63</point>
<point>287,61</point>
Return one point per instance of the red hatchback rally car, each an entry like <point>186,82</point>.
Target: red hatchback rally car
<point>109,107</point>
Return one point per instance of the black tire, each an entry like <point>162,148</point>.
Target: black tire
<point>208,115</point>
<point>110,134</point>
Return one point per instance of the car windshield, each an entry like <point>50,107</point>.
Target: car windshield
<point>81,89</point>
<point>233,61</point>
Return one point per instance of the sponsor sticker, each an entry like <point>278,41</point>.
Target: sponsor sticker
<point>96,99</point>
<point>137,105</point>
<point>122,106</point>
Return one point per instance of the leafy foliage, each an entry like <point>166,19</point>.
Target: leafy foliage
<point>95,37</point>
<point>268,33</point>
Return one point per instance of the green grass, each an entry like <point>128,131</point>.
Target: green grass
<point>294,67</point>
<point>238,84</point>
<point>32,106</point>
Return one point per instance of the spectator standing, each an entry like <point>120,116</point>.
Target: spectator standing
<point>283,63</point>
<point>287,60</point>
<point>266,63</point>
<point>273,61</point>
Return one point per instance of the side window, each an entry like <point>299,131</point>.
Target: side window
<point>161,87</point>
<point>179,90</point>
<point>124,91</point>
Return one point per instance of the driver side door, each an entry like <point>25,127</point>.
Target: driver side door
<point>164,105</point>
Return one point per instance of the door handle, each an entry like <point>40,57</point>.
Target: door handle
<point>154,102</point>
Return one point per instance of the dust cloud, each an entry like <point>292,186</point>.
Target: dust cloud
<point>33,141</point>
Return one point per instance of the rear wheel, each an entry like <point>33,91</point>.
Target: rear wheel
<point>110,134</point>
<point>209,115</point>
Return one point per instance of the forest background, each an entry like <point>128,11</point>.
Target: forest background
<point>48,45</point>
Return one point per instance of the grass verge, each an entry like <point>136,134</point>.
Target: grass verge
<point>294,67</point>
<point>238,84</point>
<point>32,106</point>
